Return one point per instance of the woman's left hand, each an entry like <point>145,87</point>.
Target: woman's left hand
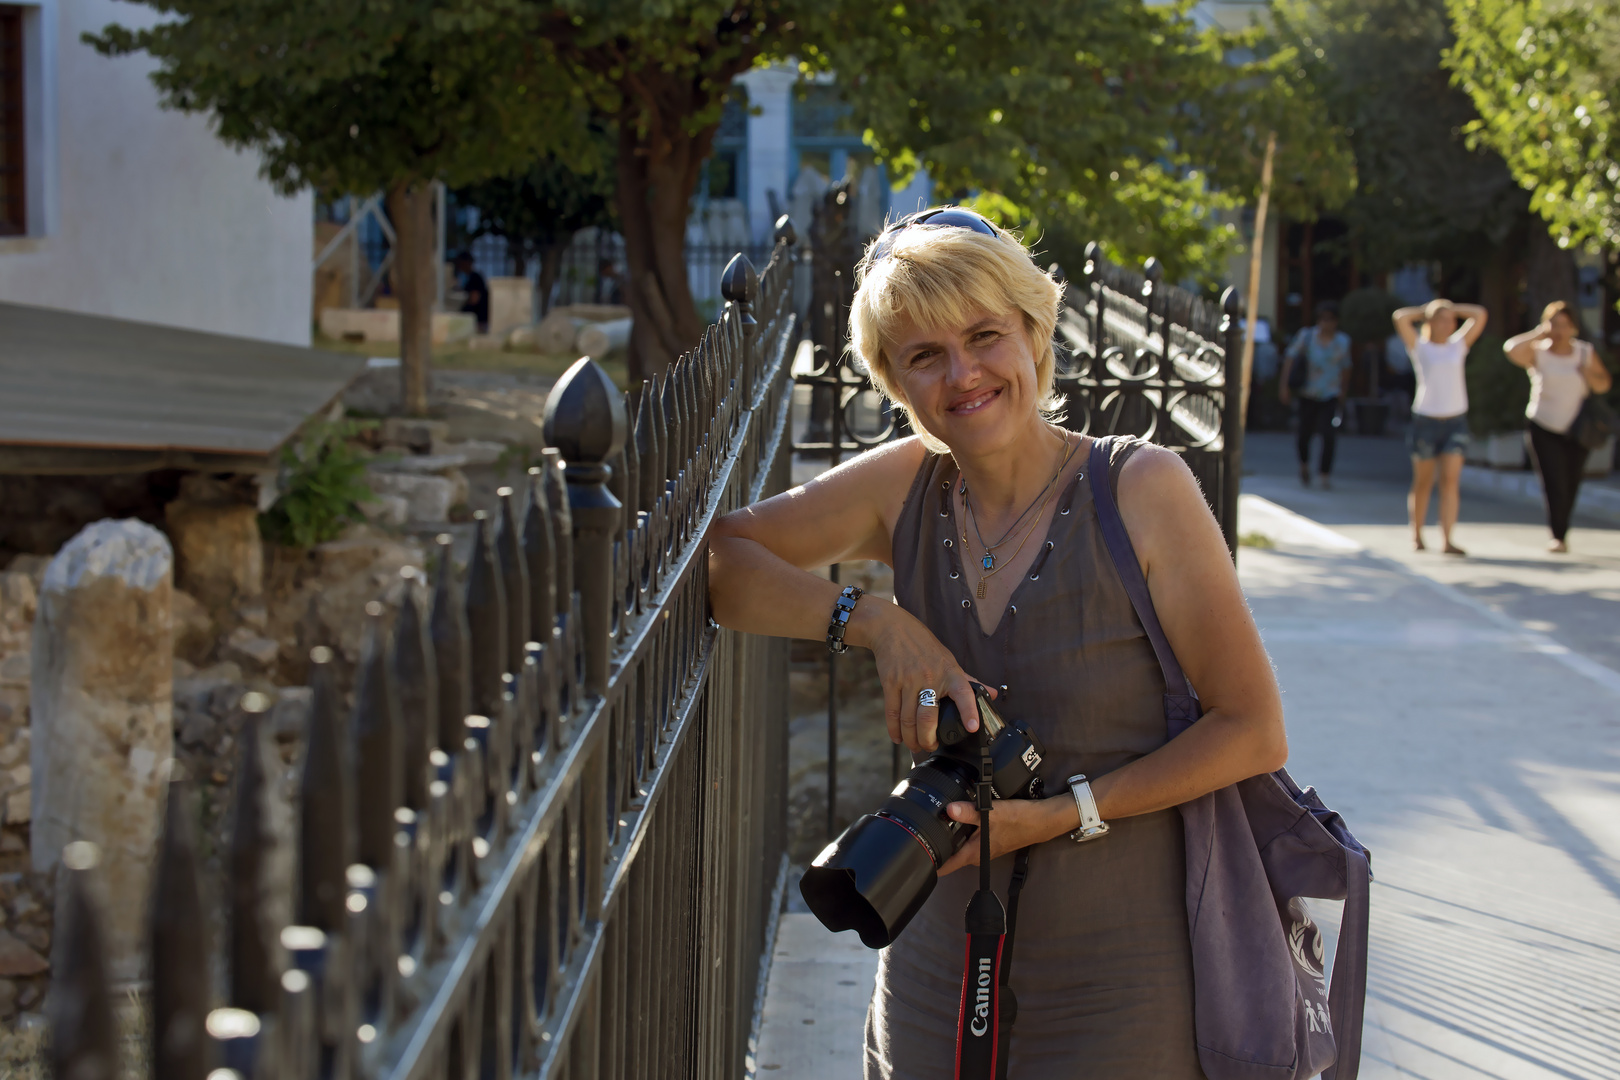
<point>1015,823</point>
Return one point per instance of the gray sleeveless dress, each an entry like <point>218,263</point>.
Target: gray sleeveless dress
<point>1101,965</point>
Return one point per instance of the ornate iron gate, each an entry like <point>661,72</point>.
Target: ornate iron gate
<point>548,837</point>
<point>1156,361</point>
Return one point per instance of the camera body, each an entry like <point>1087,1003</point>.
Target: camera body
<point>876,876</point>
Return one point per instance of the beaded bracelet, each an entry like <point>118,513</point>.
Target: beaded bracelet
<point>842,610</point>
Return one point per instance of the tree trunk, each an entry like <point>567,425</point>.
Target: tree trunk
<point>1551,273</point>
<point>1496,289</point>
<point>551,258</point>
<point>410,208</point>
<point>658,170</point>
<point>517,254</point>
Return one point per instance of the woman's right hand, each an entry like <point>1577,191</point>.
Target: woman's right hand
<point>911,659</point>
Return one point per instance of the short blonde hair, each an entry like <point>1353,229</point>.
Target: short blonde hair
<point>940,275</point>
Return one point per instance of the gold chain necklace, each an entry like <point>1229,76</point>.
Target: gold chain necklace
<point>991,567</point>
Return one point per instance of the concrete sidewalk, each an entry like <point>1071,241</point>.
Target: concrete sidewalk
<point>1476,757</point>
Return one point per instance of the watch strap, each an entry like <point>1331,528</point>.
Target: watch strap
<point>1091,823</point>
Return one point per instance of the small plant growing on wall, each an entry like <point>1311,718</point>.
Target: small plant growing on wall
<point>321,486</point>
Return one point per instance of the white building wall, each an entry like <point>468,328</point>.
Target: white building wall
<point>141,213</point>
<point>770,144</point>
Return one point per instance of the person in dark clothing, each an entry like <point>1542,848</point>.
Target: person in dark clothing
<point>1325,351</point>
<point>609,286</point>
<point>477,290</point>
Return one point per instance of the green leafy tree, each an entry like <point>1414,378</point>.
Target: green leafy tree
<point>658,72</point>
<point>1542,77</point>
<point>1115,121</point>
<point>1422,192</point>
<point>538,212</point>
<point>352,95</point>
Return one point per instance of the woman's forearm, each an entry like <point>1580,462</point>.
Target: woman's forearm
<point>753,590</point>
<point>1407,315</point>
<point>1217,751</point>
<point>756,591</point>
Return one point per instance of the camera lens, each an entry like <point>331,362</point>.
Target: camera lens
<point>876,876</point>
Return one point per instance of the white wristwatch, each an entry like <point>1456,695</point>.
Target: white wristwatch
<point>1091,823</point>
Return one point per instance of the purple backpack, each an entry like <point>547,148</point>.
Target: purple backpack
<point>1262,1008</point>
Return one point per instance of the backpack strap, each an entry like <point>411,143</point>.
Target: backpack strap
<point>1347,997</point>
<point>1180,702</point>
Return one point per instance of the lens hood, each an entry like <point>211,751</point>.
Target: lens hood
<point>873,879</point>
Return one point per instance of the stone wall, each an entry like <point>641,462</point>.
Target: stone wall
<point>25,897</point>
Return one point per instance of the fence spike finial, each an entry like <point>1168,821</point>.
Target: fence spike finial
<point>537,553</point>
<point>252,978</point>
<point>514,579</point>
<point>486,620</point>
<point>326,811</point>
<point>1232,302</point>
<point>585,421</point>
<point>179,947</point>
<point>784,232</point>
<point>562,531</point>
<point>84,1037</point>
<point>417,680</point>
<point>375,727</point>
<point>451,660</point>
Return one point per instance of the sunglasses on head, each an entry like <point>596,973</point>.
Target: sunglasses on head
<point>948,216</point>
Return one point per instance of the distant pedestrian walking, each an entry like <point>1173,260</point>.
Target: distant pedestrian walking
<point>1437,437</point>
<point>1564,372</point>
<point>1316,367</point>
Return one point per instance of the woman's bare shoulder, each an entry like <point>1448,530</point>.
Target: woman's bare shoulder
<point>881,469</point>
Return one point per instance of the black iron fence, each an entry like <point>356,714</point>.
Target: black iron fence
<point>1135,357</point>
<point>1155,360</point>
<point>547,837</point>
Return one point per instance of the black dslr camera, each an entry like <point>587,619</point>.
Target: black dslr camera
<point>876,875</point>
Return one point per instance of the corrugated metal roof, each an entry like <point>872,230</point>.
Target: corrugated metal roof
<point>87,383</point>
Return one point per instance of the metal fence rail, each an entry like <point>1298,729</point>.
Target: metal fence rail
<point>547,839</point>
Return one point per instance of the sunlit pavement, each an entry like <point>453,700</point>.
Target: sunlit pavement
<point>1476,756</point>
<point>1462,714</point>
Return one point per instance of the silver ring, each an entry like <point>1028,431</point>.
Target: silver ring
<point>926,699</point>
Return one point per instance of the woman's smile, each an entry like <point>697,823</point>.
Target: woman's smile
<point>973,401</point>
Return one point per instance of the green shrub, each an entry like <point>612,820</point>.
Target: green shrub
<point>1498,389</point>
<point>1364,314</point>
<point>321,486</point>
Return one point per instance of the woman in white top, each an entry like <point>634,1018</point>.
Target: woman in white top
<point>1563,371</point>
<point>1438,436</point>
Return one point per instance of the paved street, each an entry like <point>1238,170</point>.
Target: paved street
<point>1461,713</point>
<point>1575,597</point>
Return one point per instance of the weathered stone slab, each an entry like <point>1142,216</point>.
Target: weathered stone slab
<point>427,498</point>
<point>103,714</point>
<point>218,552</point>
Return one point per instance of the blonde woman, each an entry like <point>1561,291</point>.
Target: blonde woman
<point>1437,438</point>
<point>1563,371</point>
<point>1001,576</point>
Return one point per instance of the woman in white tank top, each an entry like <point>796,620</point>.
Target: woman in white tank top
<point>1438,436</point>
<point>1563,371</point>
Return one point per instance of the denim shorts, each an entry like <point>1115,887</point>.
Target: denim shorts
<point>1431,436</point>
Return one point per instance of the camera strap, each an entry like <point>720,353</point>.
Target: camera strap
<point>988,1006</point>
